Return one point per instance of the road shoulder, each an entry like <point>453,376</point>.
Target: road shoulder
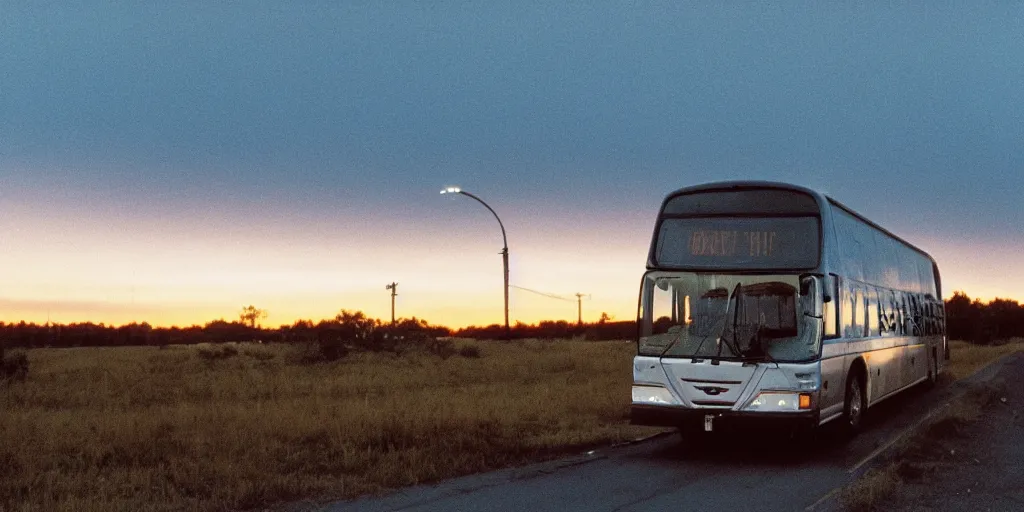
<point>969,457</point>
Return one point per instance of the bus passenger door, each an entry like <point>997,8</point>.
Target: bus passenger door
<point>833,364</point>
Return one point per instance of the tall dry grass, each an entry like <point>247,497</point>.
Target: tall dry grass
<point>966,358</point>
<point>149,429</point>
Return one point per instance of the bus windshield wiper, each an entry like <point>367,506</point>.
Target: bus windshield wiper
<point>736,292</point>
<point>679,336</point>
<point>696,352</point>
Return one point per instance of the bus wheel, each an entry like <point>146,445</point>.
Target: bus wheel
<point>853,411</point>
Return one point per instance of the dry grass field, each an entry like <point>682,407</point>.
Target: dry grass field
<point>150,429</point>
<point>966,358</point>
<point>201,428</point>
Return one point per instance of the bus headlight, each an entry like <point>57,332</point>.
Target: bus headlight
<point>780,401</point>
<point>653,395</point>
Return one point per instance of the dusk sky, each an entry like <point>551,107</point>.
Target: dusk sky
<point>173,163</point>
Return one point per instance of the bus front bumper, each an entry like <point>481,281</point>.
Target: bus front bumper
<point>685,417</point>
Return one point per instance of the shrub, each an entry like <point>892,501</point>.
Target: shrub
<point>259,354</point>
<point>441,347</point>
<point>470,351</point>
<point>215,353</point>
<point>331,349</point>
<point>13,366</point>
<point>324,350</point>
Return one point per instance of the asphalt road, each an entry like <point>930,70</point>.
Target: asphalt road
<point>745,471</point>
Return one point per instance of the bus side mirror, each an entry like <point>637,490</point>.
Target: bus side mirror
<point>809,291</point>
<point>828,284</point>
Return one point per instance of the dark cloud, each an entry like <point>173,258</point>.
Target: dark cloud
<point>912,114</point>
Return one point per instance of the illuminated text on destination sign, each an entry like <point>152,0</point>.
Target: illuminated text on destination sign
<point>732,243</point>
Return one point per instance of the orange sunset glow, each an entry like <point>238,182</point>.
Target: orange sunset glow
<point>82,266</point>
<point>78,268</point>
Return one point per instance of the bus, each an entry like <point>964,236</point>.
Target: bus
<point>770,302</point>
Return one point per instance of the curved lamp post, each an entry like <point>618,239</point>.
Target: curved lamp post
<point>504,248</point>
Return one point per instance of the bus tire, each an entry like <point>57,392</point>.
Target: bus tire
<point>855,404</point>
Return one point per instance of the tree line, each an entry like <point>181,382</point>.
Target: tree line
<point>966,319</point>
<point>603,329</point>
<point>353,328</point>
<point>983,323</point>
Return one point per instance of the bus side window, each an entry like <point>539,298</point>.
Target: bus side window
<point>853,311</point>
<point>905,327</point>
<point>929,327</point>
<point>922,316</point>
<point>872,312</point>
<point>894,312</point>
<point>861,313</point>
<point>915,316</point>
<point>848,310</point>
<point>884,312</point>
<point>893,307</point>
<point>897,310</point>
<point>931,316</point>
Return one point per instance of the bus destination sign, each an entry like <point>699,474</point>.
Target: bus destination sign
<point>739,243</point>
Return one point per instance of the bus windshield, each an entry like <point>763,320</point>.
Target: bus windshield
<point>726,316</point>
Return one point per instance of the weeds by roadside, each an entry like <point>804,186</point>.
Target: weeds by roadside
<point>873,488</point>
<point>917,458</point>
<point>967,358</point>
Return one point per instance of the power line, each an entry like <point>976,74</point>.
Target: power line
<point>548,295</point>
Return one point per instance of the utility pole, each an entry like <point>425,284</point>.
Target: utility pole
<point>394,292</point>
<point>504,260</point>
<point>579,309</point>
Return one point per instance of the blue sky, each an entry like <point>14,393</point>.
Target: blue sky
<point>310,140</point>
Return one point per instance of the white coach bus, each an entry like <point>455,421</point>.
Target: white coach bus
<point>768,301</point>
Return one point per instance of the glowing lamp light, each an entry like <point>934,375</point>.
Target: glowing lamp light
<point>656,395</point>
<point>805,401</point>
<point>451,190</point>
<point>779,401</point>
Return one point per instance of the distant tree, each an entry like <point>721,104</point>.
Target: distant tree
<point>355,328</point>
<point>962,317</point>
<point>251,315</point>
<point>1004,318</point>
<point>604,318</point>
<point>220,331</point>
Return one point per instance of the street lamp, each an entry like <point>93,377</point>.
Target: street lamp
<point>504,249</point>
